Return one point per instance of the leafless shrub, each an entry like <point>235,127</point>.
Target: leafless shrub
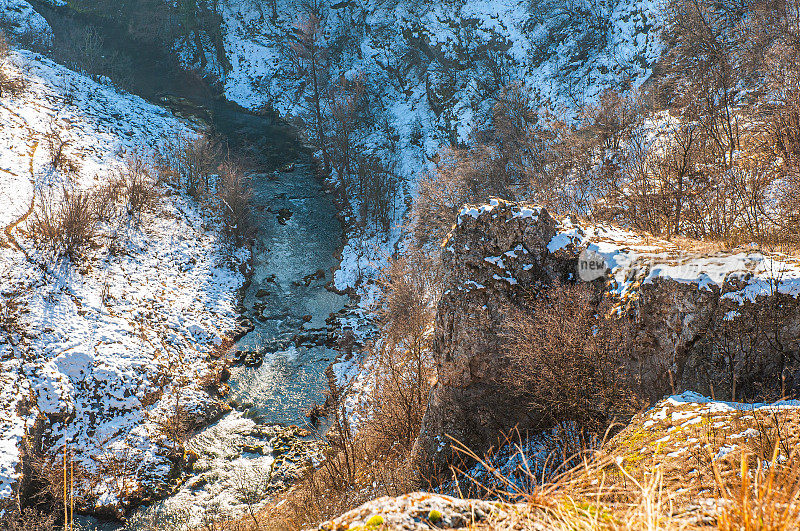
<point>56,482</point>
<point>188,163</point>
<point>28,519</point>
<point>462,176</point>
<point>403,358</point>
<point>346,101</point>
<point>105,199</point>
<point>173,422</point>
<point>750,345</point>
<point>308,59</point>
<point>569,370</point>
<point>10,84</point>
<point>251,486</point>
<point>138,187</point>
<point>235,196</point>
<point>56,144</point>
<point>5,49</point>
<point>377,191</point>
<point>65,226</point>
<point>9,315</point>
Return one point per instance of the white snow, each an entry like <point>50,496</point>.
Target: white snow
<point>109,339</point>
<point>20,21</point>
<point>543,47</point>
<point>634,258</point>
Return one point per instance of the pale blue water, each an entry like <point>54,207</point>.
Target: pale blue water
<point>291,378</point>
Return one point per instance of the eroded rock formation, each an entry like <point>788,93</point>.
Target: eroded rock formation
<point>725,324</point>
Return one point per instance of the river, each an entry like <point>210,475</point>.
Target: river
<point>294,253</point>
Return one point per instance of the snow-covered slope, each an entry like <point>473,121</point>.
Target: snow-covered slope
<point>564,53</point>
<point>434,70</point>
<point>107,345</point>
<point>19,20</point>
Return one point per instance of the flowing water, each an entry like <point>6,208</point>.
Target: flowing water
<point>294,252</point>
<point>293,259</point>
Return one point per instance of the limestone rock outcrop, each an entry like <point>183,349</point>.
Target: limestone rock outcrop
<point>724,324</point>
<point>419,511</point>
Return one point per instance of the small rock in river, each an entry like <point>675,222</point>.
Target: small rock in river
<point>283,215</point>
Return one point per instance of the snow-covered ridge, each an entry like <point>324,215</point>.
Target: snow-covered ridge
<point>634,259</point>
<point>109,343</point>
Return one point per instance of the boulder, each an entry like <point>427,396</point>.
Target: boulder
<point>23,24</point>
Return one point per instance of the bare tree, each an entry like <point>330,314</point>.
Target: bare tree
<point>308,53</point>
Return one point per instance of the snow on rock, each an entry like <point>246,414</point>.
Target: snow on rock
<point>675,302</point>
<point>21,22</point>
<point>111,342</point>
<point>419,511</point>
<point>635,259</point>
<point>689,431</point>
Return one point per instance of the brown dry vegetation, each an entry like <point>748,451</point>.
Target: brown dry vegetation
<point>67,223</point>
<point>724,169</point>
<point>10,84</point>
<point>568,371</point>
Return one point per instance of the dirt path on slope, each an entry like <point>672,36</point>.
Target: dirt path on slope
<point>13,225</point>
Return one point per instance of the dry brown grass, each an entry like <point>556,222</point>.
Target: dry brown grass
<point>12,85</point>
<point>603,494</point>
<point>747,489</point>
<point>64,226</point>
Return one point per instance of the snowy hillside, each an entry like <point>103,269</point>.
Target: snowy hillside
<point>434,71</point>
<point>102,351</point>
<point>565,54</point>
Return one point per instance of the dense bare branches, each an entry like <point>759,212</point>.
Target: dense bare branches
<point>64,225</point>
<point>569,370</point>
<point>308,57</point>
<point>402,354</point>
<point>235,196</point>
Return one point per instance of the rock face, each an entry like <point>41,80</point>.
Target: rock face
<point>487,269</point>
<point>421,511</point>
<point>22,23</point>
<point>725,325</point>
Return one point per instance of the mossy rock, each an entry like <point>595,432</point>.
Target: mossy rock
<point>374,522</point>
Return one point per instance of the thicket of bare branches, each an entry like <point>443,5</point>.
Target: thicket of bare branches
<point>569,371</point>
<point>402,354</point>
<point>307,54</point>
<point>10,84</point>
<point>189,163</point>
<point>65,225</point>
<point>235,196</point>
<point>57,143</point>
<point>722,164</point>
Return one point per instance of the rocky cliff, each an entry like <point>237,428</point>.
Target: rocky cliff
<point>724,324</point>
